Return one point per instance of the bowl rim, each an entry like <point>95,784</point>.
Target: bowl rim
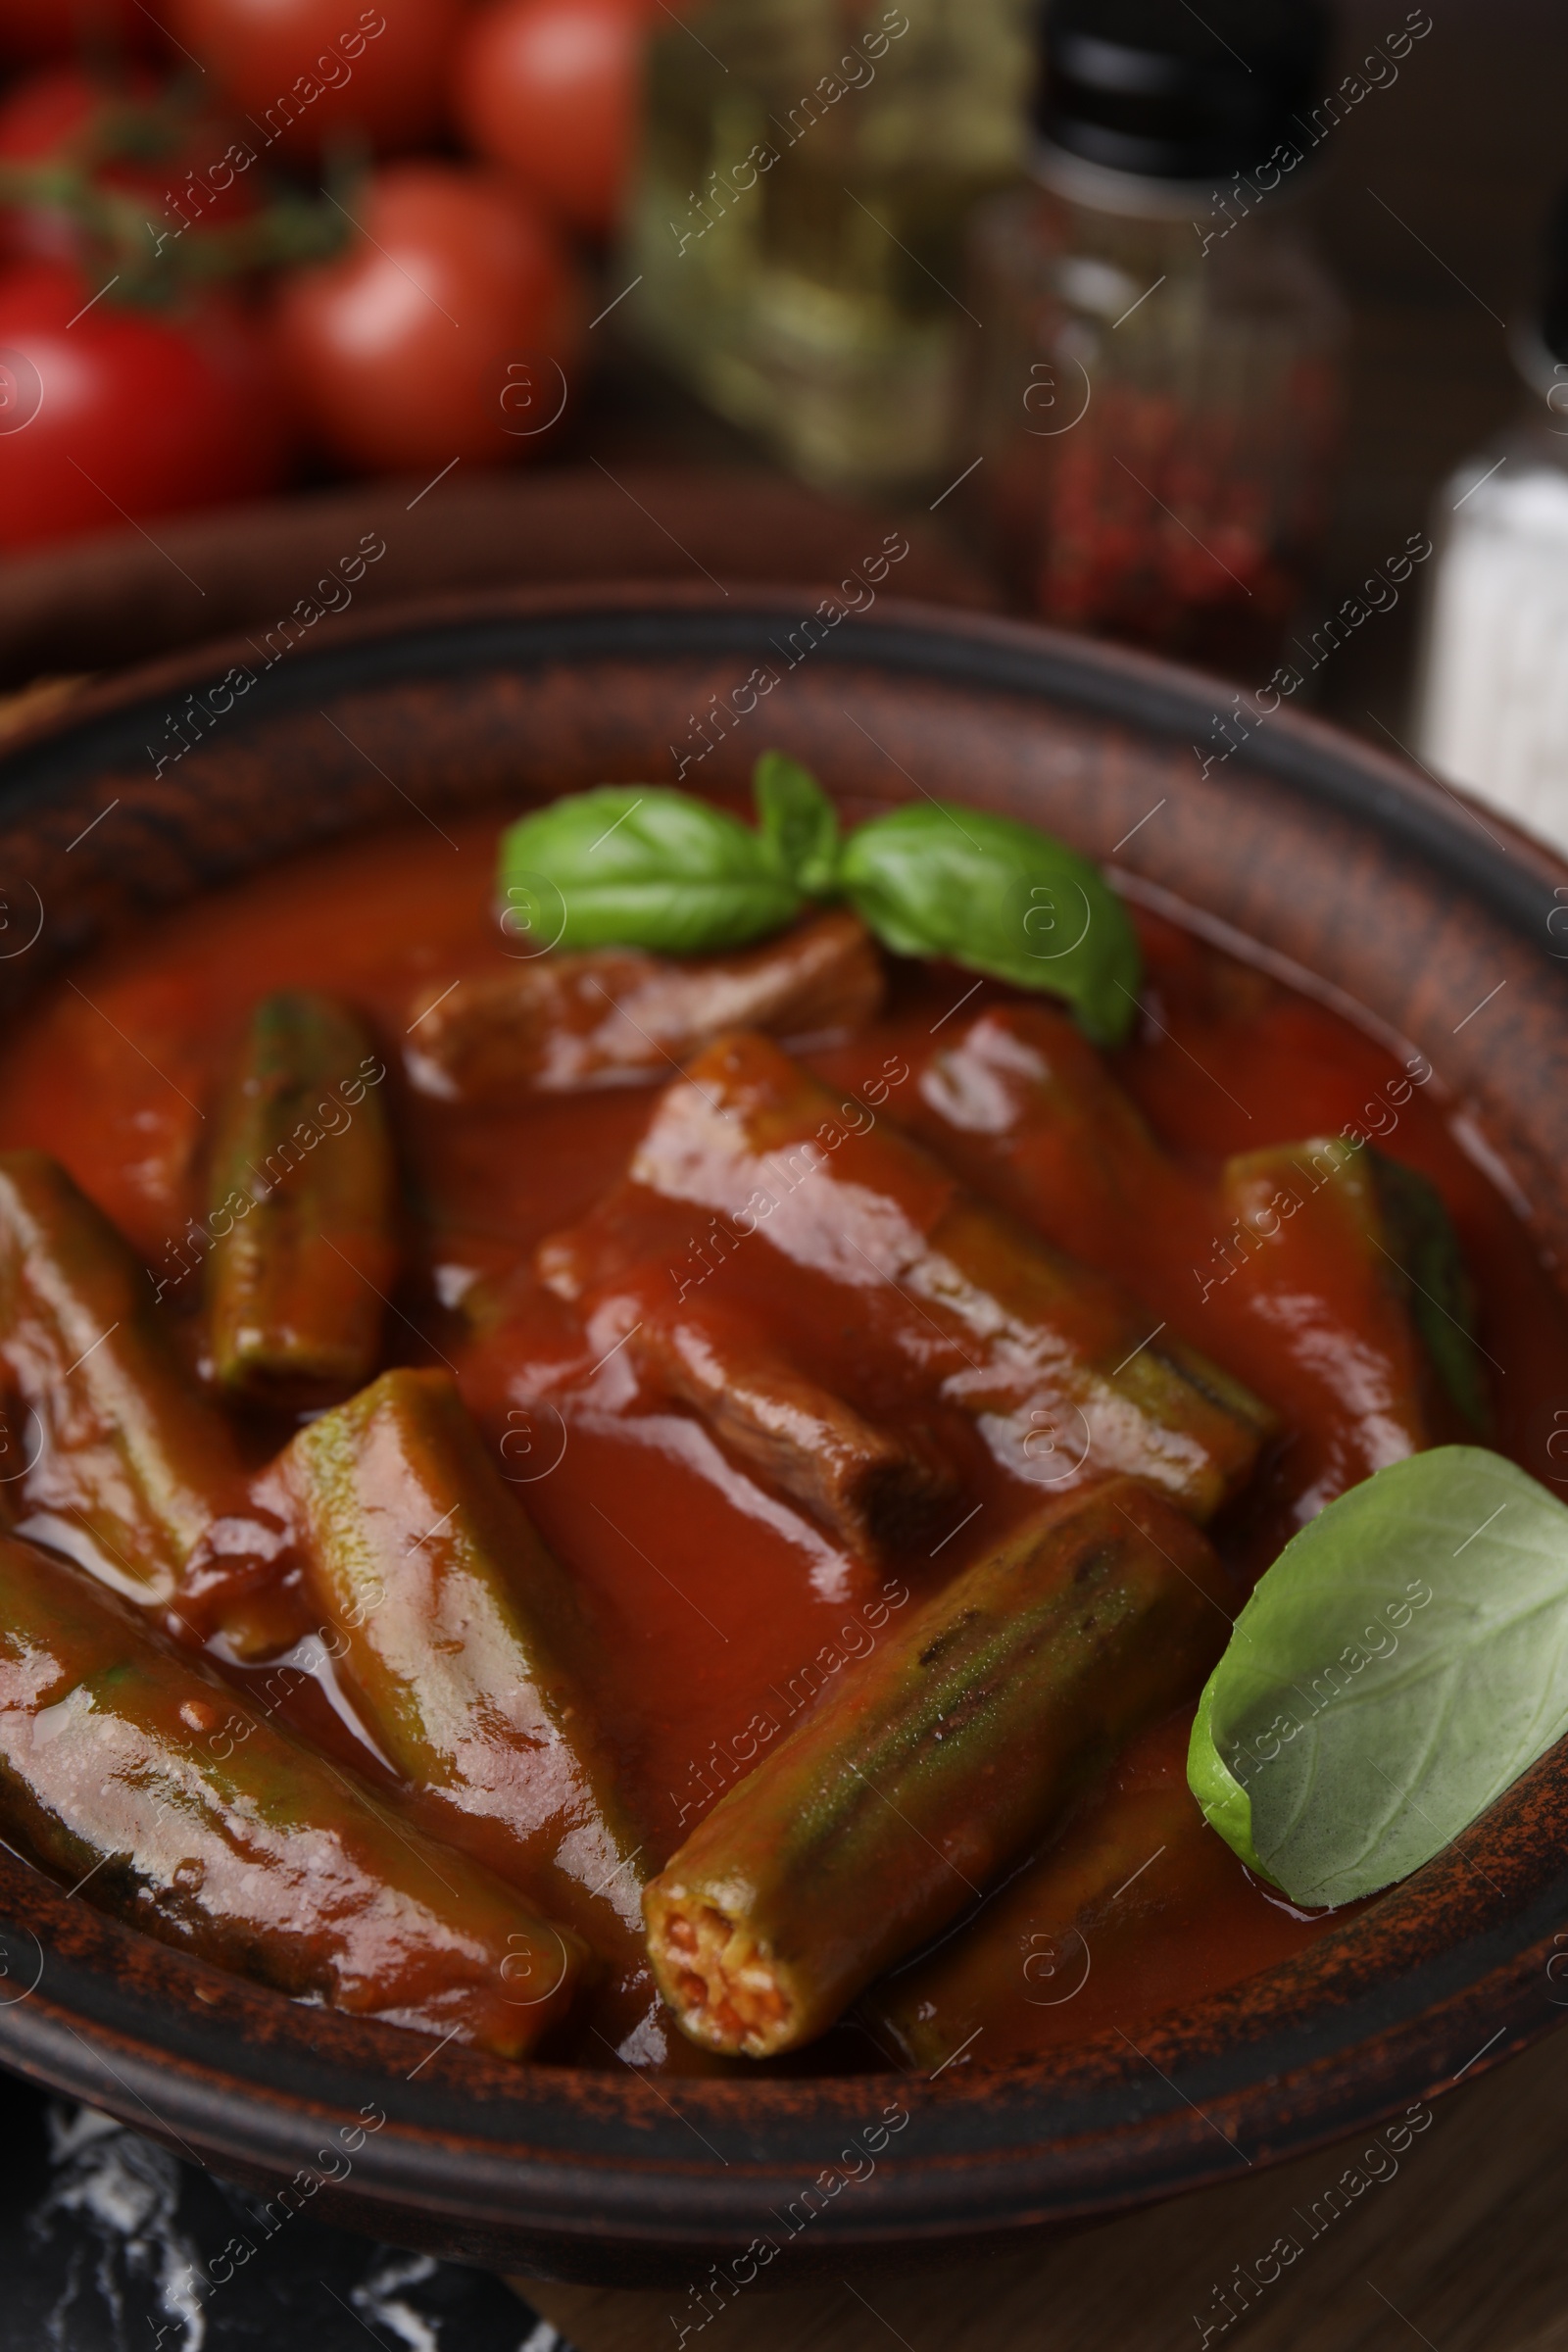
<point>1443,1978</point>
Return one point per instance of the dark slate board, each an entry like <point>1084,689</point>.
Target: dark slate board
<point>110,2245</point>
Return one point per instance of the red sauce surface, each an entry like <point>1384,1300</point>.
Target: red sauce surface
<point>709,1595</point>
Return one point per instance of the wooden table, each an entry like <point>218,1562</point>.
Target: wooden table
<point>1460,2244</point>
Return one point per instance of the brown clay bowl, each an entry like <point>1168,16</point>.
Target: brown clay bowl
<point>1351,866</point>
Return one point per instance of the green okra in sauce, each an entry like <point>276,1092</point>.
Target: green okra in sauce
<point>1095,1930</point>
<point>1066,1375</point>
<point>554,1023</point>
<point>460,1640</point>
<point>302,1207</point>
<point>213,1828</point>
<point>130,1457</point>
<point>1429,1268</point>
<point>945,1754</point>
<point>872,1487</point>
<point>1323,1272</point>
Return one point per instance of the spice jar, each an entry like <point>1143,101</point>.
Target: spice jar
<point>797,238</point>
<point>1492,705</point>
<point>1159,346</point>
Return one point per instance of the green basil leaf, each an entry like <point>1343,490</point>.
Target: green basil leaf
<point>999,897</point>
<point>800,820</point>
<point>639,865</point>
<point>1405,1661</point>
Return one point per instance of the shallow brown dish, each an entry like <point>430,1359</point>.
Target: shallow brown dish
<point>1442,925</point>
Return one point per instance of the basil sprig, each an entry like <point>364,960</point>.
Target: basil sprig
<point>1403,1660</point>
<point>642,865</point>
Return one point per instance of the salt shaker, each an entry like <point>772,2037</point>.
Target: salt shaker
<point>1491,701</point>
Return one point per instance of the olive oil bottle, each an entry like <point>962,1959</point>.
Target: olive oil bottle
<point>797,230</point>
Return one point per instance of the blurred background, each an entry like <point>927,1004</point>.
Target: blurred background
<point>1230,333</point>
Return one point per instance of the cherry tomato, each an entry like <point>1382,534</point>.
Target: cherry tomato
<point>165,159</point>
<point>34,30</point>
<point>549,89</point>
<point>109,414</point>
<point>312,72</point>
<point>448,329</point>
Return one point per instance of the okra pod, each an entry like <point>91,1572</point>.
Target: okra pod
<point>1025,1110</point>
<point>558,1022</point>
<point>126,1767</point>
<point>302,1207</point>
<point>132,1457</point>
<point>1134,1908</point>
<point>1098,1917</point>
<point>1314,1293</point>
<point>460,1640</point>
<point>1429,1266</point>
<point>949,1750</point>
<point>1300,1260</point>
<point>1066,1375</point>
<point>870,1486</point>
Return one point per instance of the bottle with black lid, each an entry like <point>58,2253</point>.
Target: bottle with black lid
<point>1160,346</point>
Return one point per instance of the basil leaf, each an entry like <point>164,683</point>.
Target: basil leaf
<point>639,865</point>
<point>999,897</point>
<point>1401,1663</point>
<point>800,820</point>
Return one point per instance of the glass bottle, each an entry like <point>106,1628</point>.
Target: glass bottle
<point>1159,355</point>
<point>796,233</point>
<point>1492,697</point>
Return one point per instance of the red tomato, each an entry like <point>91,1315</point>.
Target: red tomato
<point>109,414</point>
<point>165,161</point>
<point>32,30</point>
<point>549,90</point>
<point>449,328</point>
<point>311,71</point>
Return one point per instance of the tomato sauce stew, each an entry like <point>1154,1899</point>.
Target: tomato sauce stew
<point>557,1421</point>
